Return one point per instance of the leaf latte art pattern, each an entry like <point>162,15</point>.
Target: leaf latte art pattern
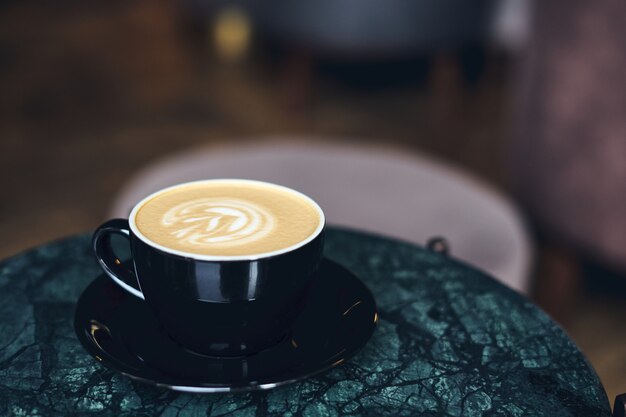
<point>217,221</point>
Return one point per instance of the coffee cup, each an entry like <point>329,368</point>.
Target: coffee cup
<point>225,265</point>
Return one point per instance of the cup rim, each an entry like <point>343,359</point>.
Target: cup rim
<point>251,257</point>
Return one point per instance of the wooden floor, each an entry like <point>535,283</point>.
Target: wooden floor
<point>100,90</point>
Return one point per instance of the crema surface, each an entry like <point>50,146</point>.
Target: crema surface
<point>227,218</point>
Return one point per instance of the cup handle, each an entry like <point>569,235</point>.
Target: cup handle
<point>109,262</point>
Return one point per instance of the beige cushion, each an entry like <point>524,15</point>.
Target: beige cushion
<point>409,197</point>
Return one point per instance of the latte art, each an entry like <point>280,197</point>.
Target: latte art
<point>226,218</point>
<point>209,221</point>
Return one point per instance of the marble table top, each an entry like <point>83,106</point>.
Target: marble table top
<point>451,341</point>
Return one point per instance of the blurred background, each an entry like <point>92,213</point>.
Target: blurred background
<point>498,124</point>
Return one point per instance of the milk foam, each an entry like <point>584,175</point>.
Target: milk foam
<point>226,218</point>
<point>209,221</point>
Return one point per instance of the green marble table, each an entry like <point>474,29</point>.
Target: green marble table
<point>450,342</point>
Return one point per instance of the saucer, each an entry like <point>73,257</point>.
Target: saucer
<point>120,331</point>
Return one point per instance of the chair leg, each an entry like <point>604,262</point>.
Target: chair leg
<point>446,86</point>
<point>619,408</point>
<point>297,80</point>
<point>558,284</point>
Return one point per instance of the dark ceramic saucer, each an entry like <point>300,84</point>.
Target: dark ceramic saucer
<point>120,331</point>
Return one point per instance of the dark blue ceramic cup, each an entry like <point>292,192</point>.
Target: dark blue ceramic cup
<point>228,306</point>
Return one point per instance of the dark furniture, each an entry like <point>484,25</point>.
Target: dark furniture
<point>450,341</point>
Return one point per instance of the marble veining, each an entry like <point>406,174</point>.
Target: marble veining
<point>450,342</point>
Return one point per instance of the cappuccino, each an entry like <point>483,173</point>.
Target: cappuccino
<point>227,218</point>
